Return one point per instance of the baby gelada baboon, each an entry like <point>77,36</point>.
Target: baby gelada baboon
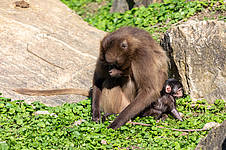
<point>166,104</point>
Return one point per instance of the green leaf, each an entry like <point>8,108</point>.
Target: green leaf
<point>11,111</point>
<point>4,146</point>
<point>41,124</point>
<point>19,121</point>
<point>177,145</point>
<point>2,105</point>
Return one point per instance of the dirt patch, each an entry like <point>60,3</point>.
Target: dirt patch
<point>21,4</point>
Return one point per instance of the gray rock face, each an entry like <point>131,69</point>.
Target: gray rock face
<point>124,5</point>
<point>215,140</point>
<point>145,3</point>
<point>198,54</point>
<point>120,6</point>
<point>45,46</point>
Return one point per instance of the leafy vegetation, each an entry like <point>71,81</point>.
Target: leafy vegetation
<point>70,127</point>
<point>156,18</point>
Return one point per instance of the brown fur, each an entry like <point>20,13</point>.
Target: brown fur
<point>113,100</point>
<point>144,67</point>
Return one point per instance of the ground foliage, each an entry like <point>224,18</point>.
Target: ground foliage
<point>156,18</point>
<point>70,127</point>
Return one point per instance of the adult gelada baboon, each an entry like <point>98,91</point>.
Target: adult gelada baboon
<point>143,66</point>
<point>129,75</point>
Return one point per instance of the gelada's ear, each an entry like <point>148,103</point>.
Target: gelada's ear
<point>168,89</point>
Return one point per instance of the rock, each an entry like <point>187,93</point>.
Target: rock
<point>45,46</point>
<point>124,5</point>
<point>197,53</point>
<point>210,125</point>
<point>78,122</point>
<point>215,140</point>
<point>145,3</point>
<point>121,6</point>
<point>45,112</point>
<point>40,112</point>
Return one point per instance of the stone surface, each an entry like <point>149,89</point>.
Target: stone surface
<point>145,3</point>
<point>215,140</point>
<point>197,50</point>
<point>120,6</point>
<point>45,46</point>
<point>124,5</point>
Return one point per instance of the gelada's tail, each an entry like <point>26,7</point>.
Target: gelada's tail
<point>52,92</point>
